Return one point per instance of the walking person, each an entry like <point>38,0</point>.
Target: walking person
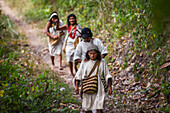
<point>55,41</point>
<point>71,40</point>
<point>80,53</point>
<point>93,96</point>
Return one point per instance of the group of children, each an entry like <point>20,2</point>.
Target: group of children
<point>86,52</point>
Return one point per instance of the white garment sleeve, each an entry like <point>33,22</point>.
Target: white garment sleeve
<point>61,24</point>
<point>106,72</point>
<point>100,45</point>
<point>79,28</point>
<point>78,52</point>
<point>79,74</point>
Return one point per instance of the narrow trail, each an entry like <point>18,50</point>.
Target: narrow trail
<point>131,93</point>
<point>36,40</point>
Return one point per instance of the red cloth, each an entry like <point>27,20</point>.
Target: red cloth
<point>70,35</point>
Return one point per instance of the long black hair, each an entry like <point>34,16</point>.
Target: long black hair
<point>98,55</point>
<point>51,22</point>
<point>71,15</point>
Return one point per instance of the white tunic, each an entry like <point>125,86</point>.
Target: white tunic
<point>93,101</point>
<point>70,44</point>
<point>56,49</point>
<point>81,49</point>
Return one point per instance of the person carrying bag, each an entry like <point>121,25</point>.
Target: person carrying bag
<point>55,39</point>
<point>90,83</point>
<point>71,39</point>
<point>65,42</point>
<point>89,71</point>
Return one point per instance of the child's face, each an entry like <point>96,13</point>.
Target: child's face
<point>55,19</point>
<point>92,54</point>
<point>72,20</point>
<point>86,39</point>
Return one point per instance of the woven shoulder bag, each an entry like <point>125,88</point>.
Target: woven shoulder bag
<point>90,83</point>
<point>53,31</point>
<point>54,42</point>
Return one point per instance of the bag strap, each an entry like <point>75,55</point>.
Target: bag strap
<point>97,63</point>
<point>70,32</point>
<point>79,31</point>
<point>98,67</point>
<point>56,30</point>
<point>55,26</point>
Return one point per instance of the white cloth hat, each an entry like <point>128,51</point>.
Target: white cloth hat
<point>92,47</point>
<point>54,14</point>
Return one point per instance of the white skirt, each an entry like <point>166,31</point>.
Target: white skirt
<point>56,49</point>
<point>70,52</point>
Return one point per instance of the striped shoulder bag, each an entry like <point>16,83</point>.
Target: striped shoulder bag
<point>90,83</point>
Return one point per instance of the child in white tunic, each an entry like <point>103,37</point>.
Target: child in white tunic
<point>73,33</point>
<point>81,49</point>
<point>55,49</point>
<point>70,43</point>
<point>93,101</point>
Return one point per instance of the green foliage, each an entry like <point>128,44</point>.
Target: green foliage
<point>23,86</point>
<point>39,14</point>
<point>166,110</point>
<point>166,90</point>
<point>117,18</point>
<point>162,15</point>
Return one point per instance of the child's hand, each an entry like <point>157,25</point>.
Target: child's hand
<point>79,36</point>
<point>85,60</point>
<point>77,89</point>
<point>55,37</point>
<point>110,90</point>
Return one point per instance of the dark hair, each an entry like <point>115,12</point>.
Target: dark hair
<point>71,15</point>
<point>51,22</point>
<point>98,55</point>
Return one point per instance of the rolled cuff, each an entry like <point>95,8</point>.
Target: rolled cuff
<point>107,79</point>
<point>74,81</point>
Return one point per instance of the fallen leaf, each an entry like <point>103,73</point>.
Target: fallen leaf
<point>22,51</point>
<point>62,104</point>
<point>1,61</point>
<point>165,65</point>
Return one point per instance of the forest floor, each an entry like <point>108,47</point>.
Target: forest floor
<point>37,41</point>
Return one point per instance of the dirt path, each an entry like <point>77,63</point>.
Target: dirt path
<point>36,40</point>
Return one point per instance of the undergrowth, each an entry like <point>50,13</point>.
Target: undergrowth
<point>25,85</point>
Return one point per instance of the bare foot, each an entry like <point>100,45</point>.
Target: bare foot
<point>53,67</point>
<point>73,75</point>
<point>60,68</point>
